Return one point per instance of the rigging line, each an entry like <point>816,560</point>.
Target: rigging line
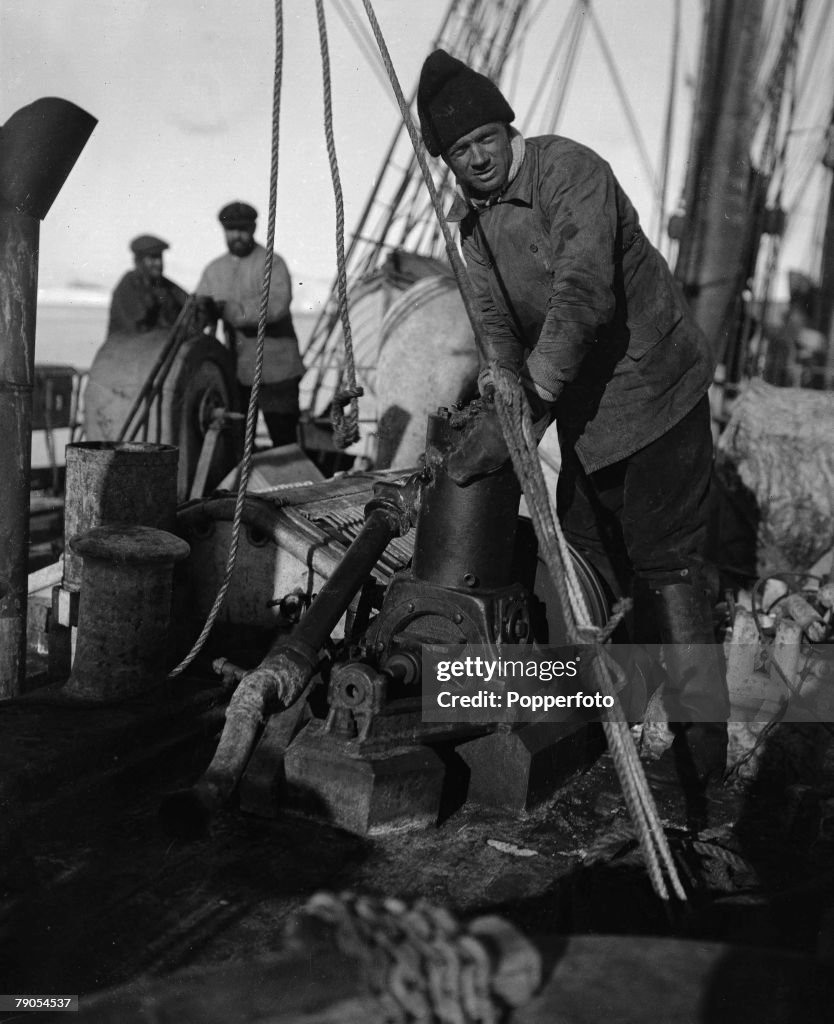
<point>608,56</point>
<point>817,35</point>
<point>804,163</point>
<point>345,424</point>
<point>469,34</point>
<point>451,11</point>
<point>551,64</point>
<point>323,327</point>
<point>789,75</point>
<point>534,15</point>
<point>666,152</point>
<point>570,64</point>
<point>324,324</point>
<point>517,63</point>
<point>419,151</point>
<point>786,66</point>
<point>362,40</point>
<point>503,36</point>
<point>252,411</point>
<point>518,52</point>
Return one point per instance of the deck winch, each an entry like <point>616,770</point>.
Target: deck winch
<point>363,757</point>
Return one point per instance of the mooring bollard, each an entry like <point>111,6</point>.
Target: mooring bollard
<point>125,610</point>
<point>107,482</point>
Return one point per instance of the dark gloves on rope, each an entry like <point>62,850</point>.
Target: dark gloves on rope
<point>482,449</point>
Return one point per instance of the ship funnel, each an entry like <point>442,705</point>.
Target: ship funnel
<point>39,146</point>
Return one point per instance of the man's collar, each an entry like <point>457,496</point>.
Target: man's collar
<point>519,187</point>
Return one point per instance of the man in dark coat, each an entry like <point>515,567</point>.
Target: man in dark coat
<point>145,300</point>
<point>575,300</point>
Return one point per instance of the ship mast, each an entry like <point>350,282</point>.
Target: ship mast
<point>826,311</point>
<point>716,233</point>
<point>753,129</point>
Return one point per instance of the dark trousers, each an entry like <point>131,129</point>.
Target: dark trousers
<point>279,406</point>
<point>643,524</point>
<point>645,517</point>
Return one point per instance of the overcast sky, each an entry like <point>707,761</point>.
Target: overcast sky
<point>182,92</point>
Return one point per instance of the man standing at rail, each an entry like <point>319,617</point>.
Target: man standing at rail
<point>144,299</point>
<point>576,301</point>
<point>230,289</point>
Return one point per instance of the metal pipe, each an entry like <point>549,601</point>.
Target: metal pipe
<point>332,600</point>
<point>39,145</point>
<point>283,675</point>
<point>18,295</point>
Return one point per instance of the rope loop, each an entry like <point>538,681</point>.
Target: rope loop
<point>344,396</point>
<point>345,425</point>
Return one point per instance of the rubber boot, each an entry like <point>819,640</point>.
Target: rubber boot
<point>695,694</point>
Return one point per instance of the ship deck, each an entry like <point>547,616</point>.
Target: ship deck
<point>96,895</point>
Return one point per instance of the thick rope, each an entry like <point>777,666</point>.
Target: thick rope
<point>514,417</point>
<point>420,963</point>
<point>252,411</point>
<point>514,411</point>
<point>345,424</point>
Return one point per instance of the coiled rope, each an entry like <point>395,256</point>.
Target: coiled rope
<point>345,424</point>
<point>516,424</point>
<point>252,411</point>
<point>420,963</point>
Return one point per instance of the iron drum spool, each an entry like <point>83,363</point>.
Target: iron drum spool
<point>427,359</point>
<point>465,536</point>
<point>370,300</point>
<point>200,379</point>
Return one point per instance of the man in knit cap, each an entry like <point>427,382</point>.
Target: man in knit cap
<point>575,300</point>
<point>230,289</point>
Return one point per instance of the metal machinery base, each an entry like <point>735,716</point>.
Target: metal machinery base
<point>365,760</point>
<point>362,791</point>
<point>370,789</point>
<point>513,770</point>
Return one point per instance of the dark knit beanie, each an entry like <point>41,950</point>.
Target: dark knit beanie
<point>453,100</point>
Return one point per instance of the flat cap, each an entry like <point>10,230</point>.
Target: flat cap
<point>148,245</point>
<point>238,215</point>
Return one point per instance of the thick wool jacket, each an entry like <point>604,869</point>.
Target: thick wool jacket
<point>237,281</point>
<point>139,304</point>
<point>567,283</point>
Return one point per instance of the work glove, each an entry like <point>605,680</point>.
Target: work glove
<point>482,449</point>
